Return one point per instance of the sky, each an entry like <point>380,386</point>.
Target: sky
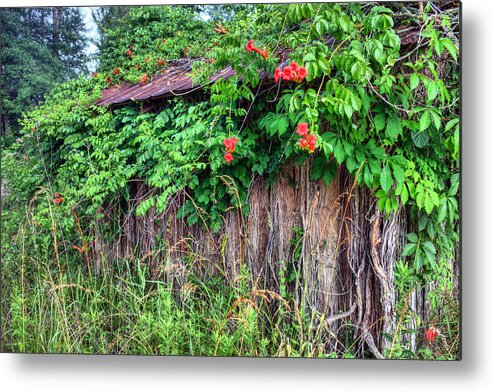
<point>92,34</point>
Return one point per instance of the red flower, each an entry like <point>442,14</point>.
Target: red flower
<point>116,71</point>
<point>230,144</point>
<point>228,157</point>
<point>302,73</point>
<point>249,46</point>
<point>277,75</point>
<point>307,142</point>
<point>291,72</point>
<point>94,74</point>
<point>161,62</point>
<point>128,53</point>
<point>431,334</point>
<point>302,129</point>
<point>312,142</point>
<point>131,47</point>
<point>263,53</point>
<point>144,78</point>
<point>58,199</point>
<point>108,80</point>
<point>303,143</point>
<point>287,73</point>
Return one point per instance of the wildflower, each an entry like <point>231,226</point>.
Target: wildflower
<point>108,80</point>
<point>249,46</point>
<point>294,66</point>
<point>230,144</point>
<point>58,199</point>
<point>306,142</point>
<point>144,78</point>
<point>80,250</point>
<point>220,29</point>
<point>228,157</point>
<point>263,53</point>
<point>291,72</point>
<point>302,129</point>
<point>116,71</point>
<point>161,62</point>
<point>287,73</point>
<point>277,75</point>
<point>303,143</point>
<point>129,53</point>
<point>431,334</point>
<point>312,142</point>
<point>131,47</point>
<point>94,74</point>
<point>302,73</point>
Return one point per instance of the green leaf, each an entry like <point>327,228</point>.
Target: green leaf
<point>345,23</point>
<point>418,259</point>
<point>420,139</point>
<point>386,178</point>
<point>451,124</point>
<point>454,184</point>
<point>339,153</point>
<point>318,167</point>
<point>413,237</point>
<point>404,194</point>
<point>428,203</point>
<point>437,120</point>
<point>425,121</point>
<point>399,173</point>
<point>394,128</point>
<point>451,48</point>
<point>368,176</point>
<point>432,90</point>
<point>430,252</point>
<point>330,174</point>
<point>409,249</point>
<point>442,212</point>
<point>414,81</point>
<point>379,122</point>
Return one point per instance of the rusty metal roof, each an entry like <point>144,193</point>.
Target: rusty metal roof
<point>176,81</point>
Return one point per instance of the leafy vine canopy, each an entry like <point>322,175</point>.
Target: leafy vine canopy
<point>328,83</point>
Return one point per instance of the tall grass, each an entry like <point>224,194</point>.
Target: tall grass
<point>53,303</point>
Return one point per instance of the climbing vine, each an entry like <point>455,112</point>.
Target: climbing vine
<point>345,95</point>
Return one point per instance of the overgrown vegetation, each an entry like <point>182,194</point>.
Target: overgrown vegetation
<point>387,116</point>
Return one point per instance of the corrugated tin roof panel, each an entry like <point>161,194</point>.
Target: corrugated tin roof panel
<point>176,81</point>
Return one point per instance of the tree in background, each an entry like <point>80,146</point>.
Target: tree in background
<point>40,48</point>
